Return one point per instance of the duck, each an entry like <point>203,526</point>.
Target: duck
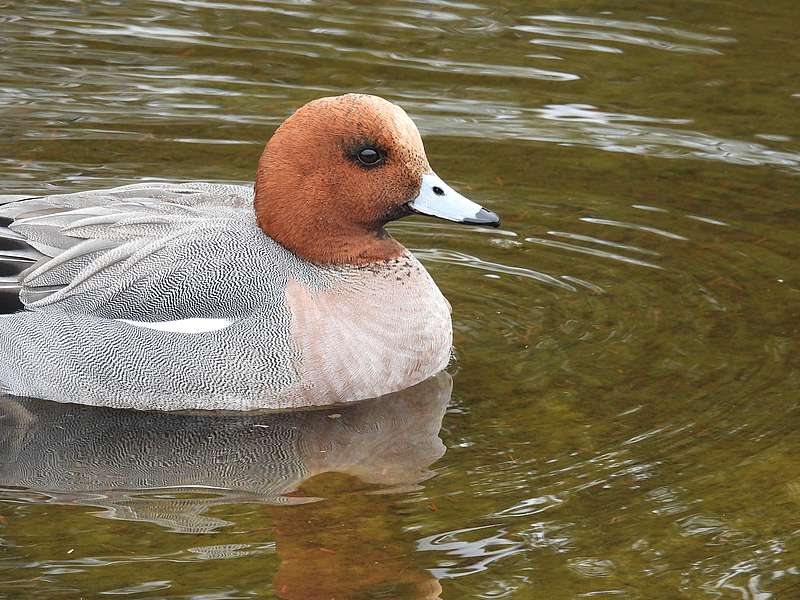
<point>286,294</point>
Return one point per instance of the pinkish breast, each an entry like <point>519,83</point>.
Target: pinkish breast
<point>378,329</point>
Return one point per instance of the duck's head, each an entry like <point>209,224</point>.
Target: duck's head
<point>338,170</point>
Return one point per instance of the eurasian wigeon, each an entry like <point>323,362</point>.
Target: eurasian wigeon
<point>208,296</point>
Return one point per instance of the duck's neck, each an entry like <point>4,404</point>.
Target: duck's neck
<point>322,246</point>
<point>323,237</point>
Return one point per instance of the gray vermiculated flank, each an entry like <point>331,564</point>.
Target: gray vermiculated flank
<point>152,252</point>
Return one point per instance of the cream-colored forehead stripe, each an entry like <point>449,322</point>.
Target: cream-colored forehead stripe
<point>408,137</point>
<point>407,131</point>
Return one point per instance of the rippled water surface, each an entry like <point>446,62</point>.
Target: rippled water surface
<point>623,420</point>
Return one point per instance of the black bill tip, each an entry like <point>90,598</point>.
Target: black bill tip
<point>486,218</point>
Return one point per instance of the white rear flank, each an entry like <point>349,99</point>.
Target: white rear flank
<point>192,326</point>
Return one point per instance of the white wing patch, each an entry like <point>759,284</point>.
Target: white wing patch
<point>191,326</point>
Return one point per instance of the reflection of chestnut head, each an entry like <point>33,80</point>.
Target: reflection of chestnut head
<point>72,452</point>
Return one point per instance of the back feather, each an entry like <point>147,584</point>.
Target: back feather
<point>52,247</point>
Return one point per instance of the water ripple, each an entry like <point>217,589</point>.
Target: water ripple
<point>591,251</point>
<point>584,125</point>
<point>467,260</point>
<point>634,26</point>
<point>470,556</point>
<point>636,226</point>
<point>602,30</point>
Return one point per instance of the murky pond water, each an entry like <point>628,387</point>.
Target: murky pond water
<point>623,420</point>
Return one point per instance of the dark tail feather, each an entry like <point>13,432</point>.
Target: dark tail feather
<point>13,265</point>
<point>9,296</point>
<point>15,257</point>
<point>11,243</point>
<point>14,244</point>
<point>5,221</point>
<point>9,303</point>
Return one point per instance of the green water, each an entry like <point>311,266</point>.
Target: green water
<point>624,415</point>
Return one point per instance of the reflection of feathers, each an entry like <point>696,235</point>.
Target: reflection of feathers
<point>109,457</point>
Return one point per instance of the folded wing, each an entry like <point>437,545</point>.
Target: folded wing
<point>147,252</point>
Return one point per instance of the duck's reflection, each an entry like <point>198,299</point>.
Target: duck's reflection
<point>108,457</point>
<point>139,466</point>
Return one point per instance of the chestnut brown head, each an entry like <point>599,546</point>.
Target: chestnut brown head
<point>339,169</point>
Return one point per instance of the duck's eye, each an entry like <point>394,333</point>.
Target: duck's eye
<point>369,156</point>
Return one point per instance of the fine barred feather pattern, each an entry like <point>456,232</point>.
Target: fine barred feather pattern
<point>110,277</point>
<point>96,456</point>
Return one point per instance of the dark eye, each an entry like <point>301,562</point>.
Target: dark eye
<point>369,156</point>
